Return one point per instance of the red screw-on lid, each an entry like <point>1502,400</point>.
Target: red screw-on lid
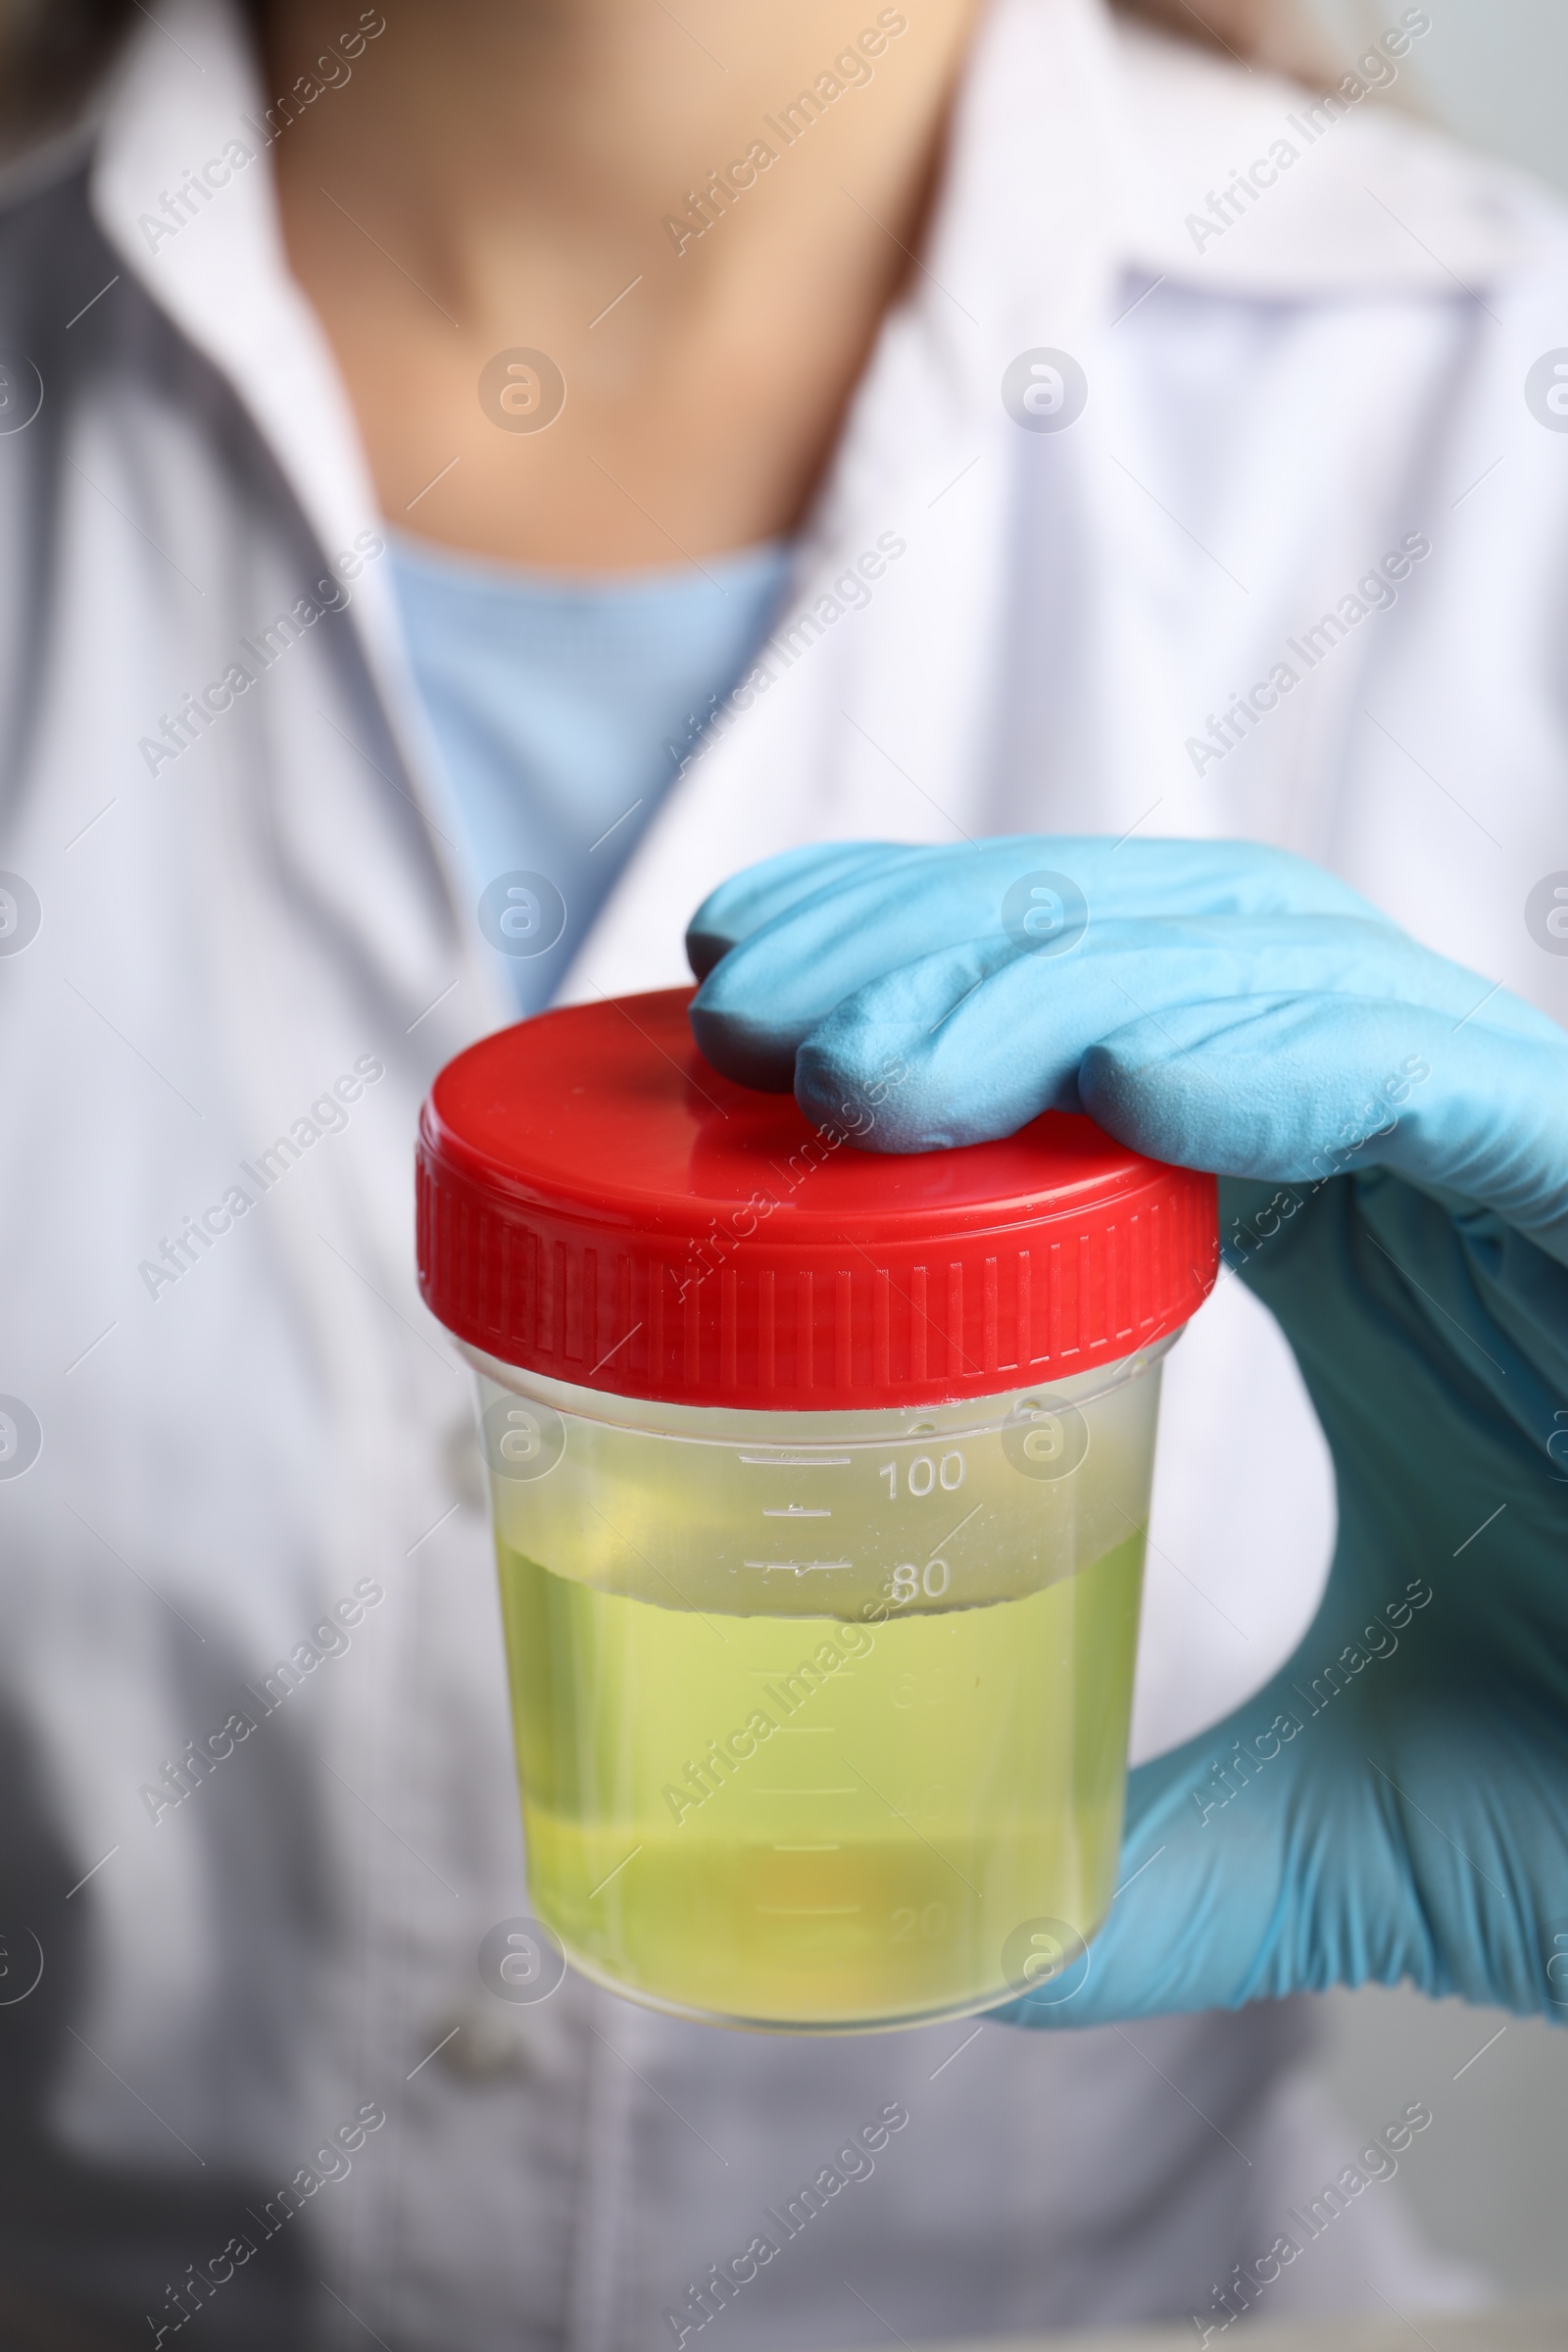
<point>596,1202</point>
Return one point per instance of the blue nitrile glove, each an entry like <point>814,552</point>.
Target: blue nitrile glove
<point>1395,1804</point>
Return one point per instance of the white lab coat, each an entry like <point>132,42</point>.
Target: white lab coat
<point>228,1454</point>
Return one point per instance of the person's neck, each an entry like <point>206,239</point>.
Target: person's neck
<point>596,118</point>
<point>522,166</point>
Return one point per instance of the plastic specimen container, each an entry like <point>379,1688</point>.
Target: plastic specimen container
<point>820,1480</point>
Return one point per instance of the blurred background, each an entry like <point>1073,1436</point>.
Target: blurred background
<point>1493,70</point>
<point>1487,2181</point>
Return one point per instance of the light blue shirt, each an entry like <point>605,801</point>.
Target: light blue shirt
<point>562,709</point>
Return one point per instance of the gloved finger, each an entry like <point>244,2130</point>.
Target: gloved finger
<point>983,1037</point>
<point>811,928</point>
<point>1213,877</point>
<point>1299,1089</point>
<point>751,897</point>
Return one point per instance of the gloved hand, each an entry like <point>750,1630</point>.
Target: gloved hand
<point>1395,1137</point>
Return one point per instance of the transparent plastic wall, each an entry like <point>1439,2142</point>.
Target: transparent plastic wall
<point>823,1717</point>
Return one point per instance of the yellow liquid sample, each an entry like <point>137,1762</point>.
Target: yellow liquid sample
<point>926,1786</point>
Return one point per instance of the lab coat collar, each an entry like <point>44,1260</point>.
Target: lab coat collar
<point>1018,255</point>
<point>185,120</point>
<point>1248,184</point>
